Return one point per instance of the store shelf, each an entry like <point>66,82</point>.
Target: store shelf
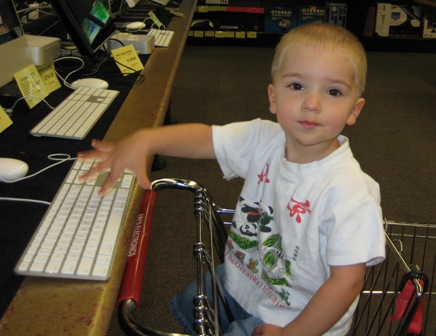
<point>236,38</point>
<point>239,24</point>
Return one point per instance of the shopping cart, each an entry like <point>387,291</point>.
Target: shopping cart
<point>400,287</point>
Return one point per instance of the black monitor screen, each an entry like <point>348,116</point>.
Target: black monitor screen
<point>9,25</point>
<point>88,23</point>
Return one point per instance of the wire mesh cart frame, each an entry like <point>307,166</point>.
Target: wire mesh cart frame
<point>396,299</point>
<point>398,293</point>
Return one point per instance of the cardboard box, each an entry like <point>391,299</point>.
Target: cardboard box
<point>309,14</point>
<point>337,13</point>
<point>279,19</point>
<point>405,21</point>
<point>382,20</point>
<point>368,30</point>
<point>428,28</point>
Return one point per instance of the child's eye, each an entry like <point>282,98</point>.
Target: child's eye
<point>334,92</point>
<point>296,86</point>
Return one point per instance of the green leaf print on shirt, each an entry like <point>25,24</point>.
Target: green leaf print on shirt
<point>243,243</point>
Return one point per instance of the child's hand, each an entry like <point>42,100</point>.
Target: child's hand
<point>184,140</point>
<point>268,330</point>
<point>129,153</point>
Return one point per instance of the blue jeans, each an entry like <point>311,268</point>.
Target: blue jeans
<point>182,308</point>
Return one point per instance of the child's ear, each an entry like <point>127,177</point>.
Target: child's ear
<point>272,99</point>
<point>356,111</point>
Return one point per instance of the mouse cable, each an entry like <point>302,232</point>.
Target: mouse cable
<point>135,30</point>
<point>140,77</point>
<point>118,41</point>
<point>28,10</point>
<point>29,200</point>
<point>59,157</point>
<point>10,110</point>
<point>64,80</point>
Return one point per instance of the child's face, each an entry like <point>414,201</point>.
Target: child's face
<point>314,95</point>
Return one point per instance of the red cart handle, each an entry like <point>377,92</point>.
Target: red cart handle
<point>134,272</point>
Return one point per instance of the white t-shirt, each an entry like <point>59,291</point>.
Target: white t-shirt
<point>293,221</point>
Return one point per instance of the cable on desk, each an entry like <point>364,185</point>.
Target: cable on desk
<point>87,67</point>
<point>117,40</point>
<point>138,79</point>
<point>60,157</point>
<point>10,110</point>
<point>64,80</point>
<point>39,9</point>
<point>28,200</point>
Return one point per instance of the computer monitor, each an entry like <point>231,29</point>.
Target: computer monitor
<point>14,53</point>
<point>88,22</point>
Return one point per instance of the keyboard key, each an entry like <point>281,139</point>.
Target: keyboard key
<point>85,266</point>
<point>53,266</point>
<point>100,270</point>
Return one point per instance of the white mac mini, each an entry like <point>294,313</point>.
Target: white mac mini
<point>44,49</point>
<point>143,43</point>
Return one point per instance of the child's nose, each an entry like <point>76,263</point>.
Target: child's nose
<point>312,101</point>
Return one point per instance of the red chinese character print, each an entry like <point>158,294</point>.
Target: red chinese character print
<point>263,177</point>
<point>298,208</point>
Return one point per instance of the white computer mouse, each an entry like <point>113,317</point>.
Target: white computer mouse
<point>135,25</point>
<point>95,83</point>
<point>12,169</point>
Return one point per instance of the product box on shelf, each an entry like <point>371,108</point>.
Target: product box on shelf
<point>368,30</point>
<point>405,20</point>
<point>310,13</point>
<point>382,19</point>
<point>337,13</point>
<point>428,27</point>
<point>279,19</point>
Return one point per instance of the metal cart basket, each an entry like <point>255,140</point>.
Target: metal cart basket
<point>402,285</point>
<point>396,300</point>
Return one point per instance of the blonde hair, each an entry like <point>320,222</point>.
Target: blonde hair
<point>326,36</point>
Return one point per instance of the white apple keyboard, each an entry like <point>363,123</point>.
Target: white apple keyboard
<point>76,115</point>
<point>162,38</point>
<point>78,236</point>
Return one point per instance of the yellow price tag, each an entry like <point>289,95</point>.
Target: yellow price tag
<point>31,85</point>
<point>240,34</point>
<point>5,121</point>
<point>198,33</point>
<point>176,12</point>
<point>127,59</point>
<point>155,19</point>
<point>48,75</point>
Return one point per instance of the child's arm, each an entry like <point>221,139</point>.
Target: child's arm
<point>326,307</point>
<point>185,140</point>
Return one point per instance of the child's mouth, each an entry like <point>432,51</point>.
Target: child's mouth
<point>308,124</point>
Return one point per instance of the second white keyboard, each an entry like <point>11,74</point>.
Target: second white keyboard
<point>162,38</point>
<point>78,236</point>
<point>76,115</point>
